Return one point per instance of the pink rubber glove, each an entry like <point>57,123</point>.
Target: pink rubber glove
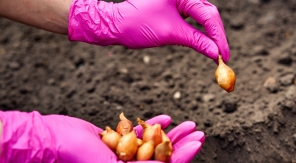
<point>33,138</point>
<point>149,23</point>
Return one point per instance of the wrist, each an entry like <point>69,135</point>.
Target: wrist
<point>91,21</point>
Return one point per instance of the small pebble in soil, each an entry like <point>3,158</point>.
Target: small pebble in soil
<point>237,23</point>
<point>266,18</point>
<point>287,79</point>
<point>119,107</point>
<point>141,85</point>
<point>177,95</point>
<point>14,65</point>
<point>230,138</point>
<point>285,59</point>
<point>146,59</point>
<point>229,104</point>
<point>51,81</point>
<point>123,70</point>
<point>90,88</point>
<point>208,97</point>
<point>260,50</point>
<point>241,141</point>
<point>291,92</point>
<point>257,59</point>
<point>289,104</point>
<point>63,85</point>
<point>281,120</point>
<point>271,85</point>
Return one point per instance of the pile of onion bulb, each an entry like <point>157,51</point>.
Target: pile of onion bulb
<point>154,143</point>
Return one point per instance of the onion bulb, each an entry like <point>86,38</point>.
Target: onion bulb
<point>110,138</point>
<point>151,132</point>
<point>163,151</point>
<point>127,146</point>
<point>166,138</point>
<point>145,151</point>
<point>124,126</point>
<point>225,76</point>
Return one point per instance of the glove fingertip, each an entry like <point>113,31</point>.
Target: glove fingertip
<point>225,55</point>
<point>163,120</point>
<point>195,136</point>
<point>190,150</point>
<point>185,128</point>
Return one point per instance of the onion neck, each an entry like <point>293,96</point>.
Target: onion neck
<point>220,60</point>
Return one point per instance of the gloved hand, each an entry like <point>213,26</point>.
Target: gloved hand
<point>149,23</point>
<point>31,137</point>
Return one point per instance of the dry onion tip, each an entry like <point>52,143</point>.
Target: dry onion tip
<point>151,132</point>
<point>145,151</point>
<point>143,123</point>
<point>225,76</point>
<point>124,126</point>
<point>110,138</point>
<point>127,146</point>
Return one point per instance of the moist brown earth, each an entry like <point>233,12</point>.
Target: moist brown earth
<point>256,122</point>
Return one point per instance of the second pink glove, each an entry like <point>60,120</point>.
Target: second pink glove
<point>33,138</point>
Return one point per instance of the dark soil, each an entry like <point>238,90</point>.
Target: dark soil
<point>43,71</point>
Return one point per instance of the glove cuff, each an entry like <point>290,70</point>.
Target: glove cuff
<point>91,21</point>
<point>25,137</point>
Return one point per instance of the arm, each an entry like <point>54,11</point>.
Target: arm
<point>51,15</point>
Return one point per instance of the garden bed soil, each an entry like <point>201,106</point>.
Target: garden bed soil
<point>256,122</point>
